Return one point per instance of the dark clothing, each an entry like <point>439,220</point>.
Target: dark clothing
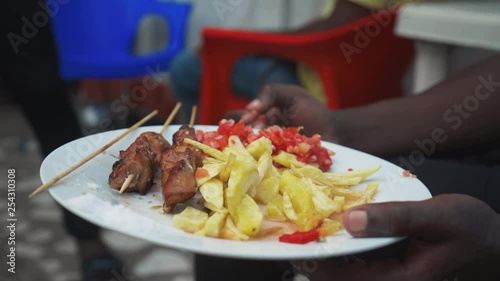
<point>29,72</point>
<point>477,180</point>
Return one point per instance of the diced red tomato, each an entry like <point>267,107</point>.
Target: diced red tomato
<point>408,174</point>
<point>201,173</point>
<point>300,237</point>
<point>307,150</point>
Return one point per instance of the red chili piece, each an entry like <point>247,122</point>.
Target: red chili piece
<point>300,237</point>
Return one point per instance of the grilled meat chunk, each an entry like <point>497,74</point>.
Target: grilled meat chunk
<point>188,132</point>
<point>141,159</point>
<point>157,144</point>
<point>178,178</point>
<point>137,163</point>
<point>178,165</point>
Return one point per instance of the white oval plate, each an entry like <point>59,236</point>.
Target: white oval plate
<point>85,193</point>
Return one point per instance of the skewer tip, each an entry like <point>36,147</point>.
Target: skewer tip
<point>42,188</point>
<point>193,116</point>
<point>171,117</point>
<point>33,194</point>
<point>126,183</point>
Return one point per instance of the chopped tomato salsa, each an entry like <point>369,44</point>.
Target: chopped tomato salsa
<point>307,150</point>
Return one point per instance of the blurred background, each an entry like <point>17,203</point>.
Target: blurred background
<point>45,250</point>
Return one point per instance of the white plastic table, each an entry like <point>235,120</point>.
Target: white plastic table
<point>437,26</point>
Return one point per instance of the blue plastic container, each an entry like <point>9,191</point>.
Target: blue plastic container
<point>95,37</point>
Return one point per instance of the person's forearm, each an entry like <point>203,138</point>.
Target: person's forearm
<point>462,111</point>
<point>345,12</point>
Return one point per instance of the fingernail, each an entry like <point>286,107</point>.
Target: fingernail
<point>358,221</point>
<point>254,104</point>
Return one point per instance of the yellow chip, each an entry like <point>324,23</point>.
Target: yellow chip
<point>370,191</point>
<point>264,164</point>
<point>363,174</point>
<point>229,231</point>
<point>299,193</point>
<point>248,216</point>
<point>274,209</point>
<point>207,149</point>
<point>314,174</point>
<point>288,207</point>
<point>213,225</point>
<point>190,220</point>
<point>323,204</point>
<point>226,170</point>
<point>339,202</point>
<point>235,145</point>
<point>212,192</point>
<point>258,147</point>
<point>345,192</point>
<point>212,169</point>
<point>287,160</point>
<point>366,197</point>
<point>329,227</point>
<point>268,188</point>
<point>243,176</point>
<point>309,220</point>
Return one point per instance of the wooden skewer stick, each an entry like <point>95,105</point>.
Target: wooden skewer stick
<point>171,117</point>
<point>193,116</point>
<point>88,158</point>
<point>126,183</point>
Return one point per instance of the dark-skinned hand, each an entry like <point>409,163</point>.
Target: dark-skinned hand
<point>289,106</point>
<point>452,237</point>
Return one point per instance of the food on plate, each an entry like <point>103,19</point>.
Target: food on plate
<point>213,225</point>
<point>366,198</point>
<point>237,174</point>
<point>328,227</point>
<point>212,191</point>
<point>139,162</point>
<point>300,237</point>
<point>309,220</point>
<point>190,220</point>
<point>244,178</point>
<point>102,149</point>
<point>306,150</point>
<point>150,153</point>
<point>178,166</point>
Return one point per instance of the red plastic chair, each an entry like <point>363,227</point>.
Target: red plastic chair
<point>374,71</point>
